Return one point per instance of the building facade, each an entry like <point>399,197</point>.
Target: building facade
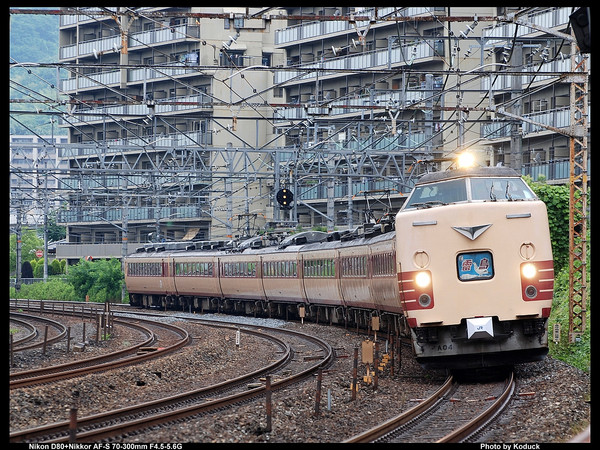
<point>36,171</point>
<point>186,122</point>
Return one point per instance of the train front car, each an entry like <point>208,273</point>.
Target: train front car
<point>475,269</point>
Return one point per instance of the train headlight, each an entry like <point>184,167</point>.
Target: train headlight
<point>423,279</point>
<point>528,270</point>
<point>466,160</point>
<point>424,300</point>
<point>531,291</point>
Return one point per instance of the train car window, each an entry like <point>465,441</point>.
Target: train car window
<point>235,269</point>
<point>383,264</point>
<point>352,266</point>
<point>279,269</point>
<point>322,268</point>
<point>493,189</point>
<point>436,194</point>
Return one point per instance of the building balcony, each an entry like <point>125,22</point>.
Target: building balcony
<point>83,116</point>
<point>140,213</point>
<point>383,58</point>
<point>150,143</point>
<point>557,118</point>
<point>143,74</point>
<point>508,81</point>
<point>355,104</point>
<point>90,16</point>
<point>554,170</point>
<point>137,41</point>
<point>549,18</point>
<point>328,28</point>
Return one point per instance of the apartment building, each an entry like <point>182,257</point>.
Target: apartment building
<point>434,87</point>
<point>36,172</point>
<point>384,88</point>
<point>540,95</point>
<point>209,116</point>
<point>156,122</point>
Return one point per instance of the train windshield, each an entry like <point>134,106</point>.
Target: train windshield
<point>493,189</point>
<point>469,189</point>
<point>436,194</point>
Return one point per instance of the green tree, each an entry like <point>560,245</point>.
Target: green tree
<point>55,232</point>
<point>30,242</point>
<point>101,280</point>
<point>26,270</point>
<point>55,267</point>
<point>38,267</point>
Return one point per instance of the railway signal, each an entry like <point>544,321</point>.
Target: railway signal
<point>285,197</point>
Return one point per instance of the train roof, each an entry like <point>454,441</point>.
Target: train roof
<point>468,172</point>
<point>304,241</point>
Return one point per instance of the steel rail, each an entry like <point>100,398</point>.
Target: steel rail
<point>33,332</point>
<point>136,424</point>
<point>61,328</point>
<point>393,423</point>
<point>462,433</point>
<point>81,367</point>
<point>16,382</point>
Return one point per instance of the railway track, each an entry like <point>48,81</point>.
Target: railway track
<point>455,412</point>
<point>130,355</point>
<point>60,331</point>
<point>315,354</point>
<point>31,329</point>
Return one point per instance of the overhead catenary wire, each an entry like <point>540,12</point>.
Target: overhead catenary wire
<point>245,103</point>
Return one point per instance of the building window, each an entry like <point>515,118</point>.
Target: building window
<point>238,22</point>
<point>266,59</point>
<point>232,59</point>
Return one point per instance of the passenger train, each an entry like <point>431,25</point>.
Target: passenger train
<point>465,270</point>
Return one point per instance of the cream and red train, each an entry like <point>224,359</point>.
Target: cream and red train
<point>466,270</point>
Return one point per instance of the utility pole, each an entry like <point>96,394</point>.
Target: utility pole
<point>124,21</point>
<point>578,182</point>
<point>516,137</point>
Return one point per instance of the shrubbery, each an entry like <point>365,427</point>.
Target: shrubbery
<point>55,289</point>
<point>102,280</point>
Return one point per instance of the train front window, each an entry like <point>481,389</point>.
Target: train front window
<point>494,189</point>
<point>436,194</point>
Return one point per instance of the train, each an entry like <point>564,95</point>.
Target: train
<point>464,269</point>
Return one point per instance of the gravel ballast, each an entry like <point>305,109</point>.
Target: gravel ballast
<point>550,403</point>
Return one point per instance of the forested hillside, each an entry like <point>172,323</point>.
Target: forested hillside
<point>33,39</point>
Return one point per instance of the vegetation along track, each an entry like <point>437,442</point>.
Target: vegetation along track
<point>200,401</point>
<point>453,413</point>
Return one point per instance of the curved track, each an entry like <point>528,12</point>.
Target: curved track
<point>135,418</point>
<point>108,361</point>
<point>32,332</point>
<point>446,416</point>
<point>62,330</point>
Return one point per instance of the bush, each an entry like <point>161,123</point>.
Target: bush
<point>556,198</point>
<point>54,289</point>
<point>101,280</point>
<point>26,270</point>
<point>55,267</point>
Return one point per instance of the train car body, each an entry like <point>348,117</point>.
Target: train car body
<point>196,274</point>
<point>476,276</point>
<point>465,270</point>
<point>282,276</point>
<point>150,277</point>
